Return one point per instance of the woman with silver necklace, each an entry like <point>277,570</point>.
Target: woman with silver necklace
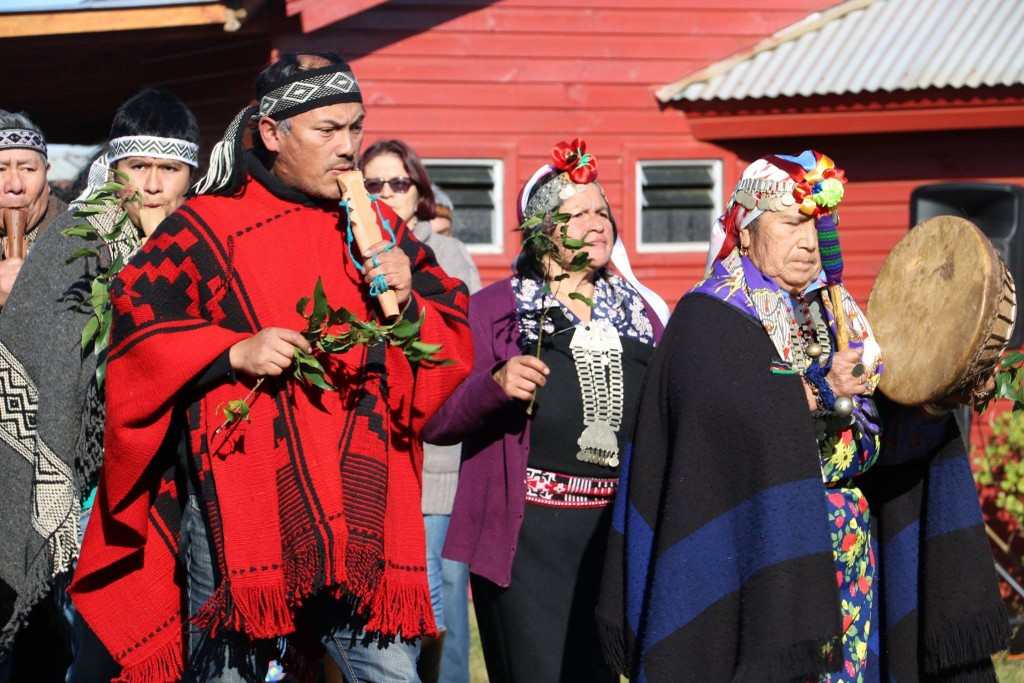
<point>560,349</point>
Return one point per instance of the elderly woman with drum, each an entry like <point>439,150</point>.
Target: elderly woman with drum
<point>777,520</point>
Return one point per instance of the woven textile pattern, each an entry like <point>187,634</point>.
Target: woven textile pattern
<point>151,146</point>
<point>21,138</point>
<point>317,492</point>
<point>315,88</point>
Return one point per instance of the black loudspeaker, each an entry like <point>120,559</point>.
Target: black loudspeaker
<point>997,209</point>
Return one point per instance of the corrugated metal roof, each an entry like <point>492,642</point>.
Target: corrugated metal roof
<point>19,6</point>
<point>866,46</point>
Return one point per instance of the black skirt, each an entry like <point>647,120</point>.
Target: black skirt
<point>541,629</point>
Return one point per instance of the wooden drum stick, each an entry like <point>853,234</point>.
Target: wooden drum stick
<point>835,295</point>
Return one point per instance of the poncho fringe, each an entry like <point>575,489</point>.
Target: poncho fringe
<point>163,665</point>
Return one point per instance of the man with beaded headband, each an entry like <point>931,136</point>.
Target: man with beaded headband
<point>302,519</point>
<point>23,187</point>
<point>52,445</point>
<point>768,531</point>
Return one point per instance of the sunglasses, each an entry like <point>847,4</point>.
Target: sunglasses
<point>401,184</point>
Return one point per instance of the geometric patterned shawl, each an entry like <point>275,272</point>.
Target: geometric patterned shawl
<point>51,416</point>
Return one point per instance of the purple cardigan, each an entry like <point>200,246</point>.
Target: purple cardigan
<point>495,434</point>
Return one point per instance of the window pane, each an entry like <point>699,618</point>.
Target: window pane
<point>473,226</point>
<point>674,226</point>
<point>660,176</point>
<point>678,198</point>
<point>472,189</point>
<point>678,201</point>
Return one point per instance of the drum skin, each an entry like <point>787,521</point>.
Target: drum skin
<point>942,309</point>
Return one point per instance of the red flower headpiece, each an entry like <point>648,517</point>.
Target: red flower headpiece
<point>572,158</point>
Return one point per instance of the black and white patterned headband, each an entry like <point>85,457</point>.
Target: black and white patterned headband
<point>155,147</point>
<point>306,90</point>
<point>22,138</point>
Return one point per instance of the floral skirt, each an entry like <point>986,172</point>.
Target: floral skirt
<point>854,552</point>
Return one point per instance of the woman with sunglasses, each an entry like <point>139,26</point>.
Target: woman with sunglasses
<point>393,171</point>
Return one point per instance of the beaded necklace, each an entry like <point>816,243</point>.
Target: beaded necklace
<point>805,329</point>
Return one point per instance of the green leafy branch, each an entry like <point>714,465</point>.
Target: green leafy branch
<point>1009,382</point>
<point>237,409</point>
<point>337,330</point>
<point>112,196</point>
<point>998,467</point>
<point>998,464</point>
<point>549,234</point>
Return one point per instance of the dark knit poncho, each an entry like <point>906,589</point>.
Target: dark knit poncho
<point>720,566</point>
<point>52,420</point>
<point>319,492</point>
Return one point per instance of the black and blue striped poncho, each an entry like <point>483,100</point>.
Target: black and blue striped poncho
<point>720,565</point>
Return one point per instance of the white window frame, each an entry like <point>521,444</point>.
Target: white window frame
<point>497,166</point>
<point>675,247</point>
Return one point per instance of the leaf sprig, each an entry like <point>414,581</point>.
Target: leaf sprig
<point>113,195</point>
<point>1009,382</point>
<point>337,330</point>
<point>237,409</point>
<point>547,233</point>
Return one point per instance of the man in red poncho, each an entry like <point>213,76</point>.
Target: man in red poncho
<point>218,536</point>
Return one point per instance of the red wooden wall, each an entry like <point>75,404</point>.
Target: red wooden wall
<point>506,79</point>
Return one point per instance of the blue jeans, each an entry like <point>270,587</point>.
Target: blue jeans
<point>90,660</point>
<point>449,592</point>
<point>233,658</point>
<point>365,660</point>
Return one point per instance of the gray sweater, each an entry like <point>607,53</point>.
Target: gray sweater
<point>441,463</point>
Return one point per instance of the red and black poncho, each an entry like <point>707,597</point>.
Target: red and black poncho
<point>320,491</point>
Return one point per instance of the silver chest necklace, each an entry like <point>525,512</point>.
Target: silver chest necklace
<point>597,353</point>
